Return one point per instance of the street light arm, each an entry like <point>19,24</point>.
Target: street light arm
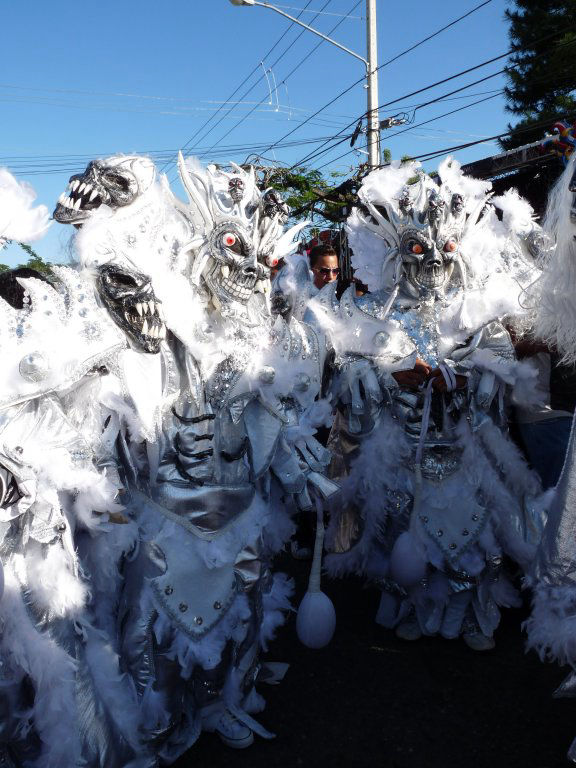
<point>301,24</point>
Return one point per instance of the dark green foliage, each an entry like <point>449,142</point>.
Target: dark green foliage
<point>542,82</point>
<point>313,197</point>
<point>301,188</point>
<point>35,262</point>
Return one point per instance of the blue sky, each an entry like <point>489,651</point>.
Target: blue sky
<point>85,80</point>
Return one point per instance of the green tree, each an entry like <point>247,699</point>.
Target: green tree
<point>313,196</point>
<point>301,188</point>
<point>542,76</point>
<point>35,261</point>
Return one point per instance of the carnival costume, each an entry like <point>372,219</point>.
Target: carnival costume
<point>64,701</point>
<point>552,625</point>
<point>435,492</point>
<point>239,445</point>
<point>197,440</point>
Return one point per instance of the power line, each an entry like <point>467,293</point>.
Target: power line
<point>38,164</point>
<point>258,81</point>
<point>385,64</point>
<point>287,76</point>
<point>426,122</point>
<point>255,69</point>
<point>323,13</point>
<point>395,58</point>
<point>319,151</point>
<point>407,96</point>
<point>32,165</point>
<point>437,153</point>
<point>434,154</point>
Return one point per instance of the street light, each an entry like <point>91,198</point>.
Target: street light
<point>370,64</point>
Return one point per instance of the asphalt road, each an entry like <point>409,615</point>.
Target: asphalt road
<point>369,700</point>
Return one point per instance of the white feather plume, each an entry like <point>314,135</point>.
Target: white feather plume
<point>19,219</point>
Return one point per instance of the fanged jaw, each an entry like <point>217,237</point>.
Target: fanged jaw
<point>146,322</point>
<point>238,291</point>
<point>79,198</point>
<point>229,284</point>
<point>430,277</point>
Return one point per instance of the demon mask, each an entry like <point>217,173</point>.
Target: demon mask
<point>115,247</point>
<point>113,181</point>
<point>130,301</point>
<point>233,270</point>
<point>428,262</point>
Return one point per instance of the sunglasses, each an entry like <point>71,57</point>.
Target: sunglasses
<point>328,271</point>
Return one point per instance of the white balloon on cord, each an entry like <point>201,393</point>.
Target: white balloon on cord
<point>316,618</point>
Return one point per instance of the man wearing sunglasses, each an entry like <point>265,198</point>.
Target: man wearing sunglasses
<point>324,264</point>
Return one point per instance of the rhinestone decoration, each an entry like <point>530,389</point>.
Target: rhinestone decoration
<point>381,339</point>
<point>34,367</point>
<point>267,375</point>
<point>91,331</point>
<point>302,382</point>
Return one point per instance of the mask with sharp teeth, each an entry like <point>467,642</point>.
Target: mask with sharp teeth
<point>428,263</point>
<point>129,298</point>
<point>114,181</point>
<point>419,227</point>
<point>232,269</point>
<point>238,233</point>
<point>122,247</point>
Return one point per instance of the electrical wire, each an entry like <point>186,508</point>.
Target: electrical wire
<point>438,153</point>
<point>426,122</point>
<point>407,96</point>
<point>385,64</point>
<point>36,164</point>
<point>434,154</point>
<point>323,13</point>
<point>319,151</point>
<point>294,69</point>
<point>246,79</point>
<point>253,86</point>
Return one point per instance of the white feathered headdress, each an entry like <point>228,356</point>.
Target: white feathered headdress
<point>401,197</point>
<point>221,200</point>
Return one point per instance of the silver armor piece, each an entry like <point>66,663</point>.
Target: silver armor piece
<point>193,596</point>
<point>203,510</point>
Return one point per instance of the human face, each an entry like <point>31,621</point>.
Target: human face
<point>326,270</point>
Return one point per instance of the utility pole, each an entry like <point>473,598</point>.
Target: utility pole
<point>370,64</point>
<point>373,127</point>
